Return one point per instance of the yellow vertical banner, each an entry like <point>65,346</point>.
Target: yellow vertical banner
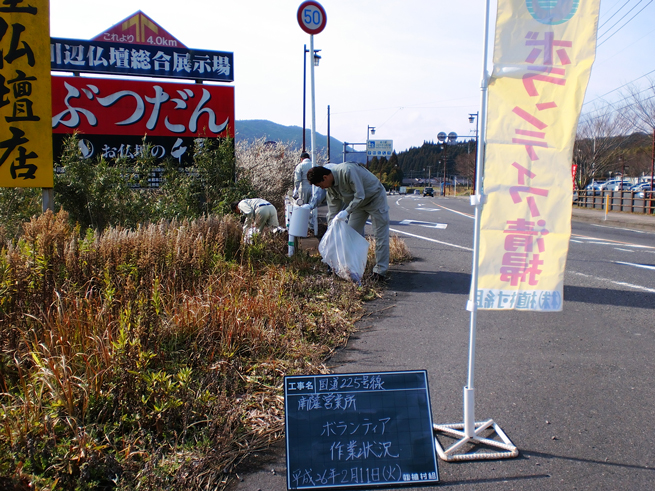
<point>25,94</point>
<point>543,54</point>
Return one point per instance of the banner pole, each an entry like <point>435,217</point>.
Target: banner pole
<point>472,430</point>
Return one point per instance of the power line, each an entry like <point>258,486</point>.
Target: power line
<point>621,8</point>
<point>627,22</point>
<point>618,88</point>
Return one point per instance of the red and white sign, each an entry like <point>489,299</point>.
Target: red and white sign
<point>311,17</point>
<point>123,107</point>
<point>139,29</point>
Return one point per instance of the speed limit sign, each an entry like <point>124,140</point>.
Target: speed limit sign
<point>311,17</point>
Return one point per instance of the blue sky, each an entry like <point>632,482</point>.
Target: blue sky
<point>410,68</point>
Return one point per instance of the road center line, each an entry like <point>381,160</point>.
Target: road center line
<point>612,242</point>
<point>645,266</point>
<point>455,211</point>
<point>630,285</point>
<point>431,240</point>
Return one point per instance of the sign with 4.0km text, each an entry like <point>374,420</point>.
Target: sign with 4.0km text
<point>312,17</point>
<point>138,28</point>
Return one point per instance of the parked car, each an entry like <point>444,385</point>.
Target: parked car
<point>428,192</point>
<point>594,187</point>
<point>416,191</point>
<point>639,186</point>
<point>613,185</point>
<point>616,186</point>
<point>642,192</point>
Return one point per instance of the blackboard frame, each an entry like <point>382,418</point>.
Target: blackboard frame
<point>353,430</point>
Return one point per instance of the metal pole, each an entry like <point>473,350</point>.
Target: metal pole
<point>477,120</point>
<point>311,49</point>
<point>328,136</point>
<point>652,173</point>
<point>304,90</point>
<point>469,390</point>
<point>445,163</point>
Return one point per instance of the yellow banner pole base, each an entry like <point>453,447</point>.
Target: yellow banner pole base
<point>478,446</point>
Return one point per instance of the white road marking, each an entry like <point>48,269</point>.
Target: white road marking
<point>424,224</point>
<point>611,242</point>
<point>630,285</point>
<point>577,241</point>
<point>431,240</point>
<point>645,266</point>
<point>619,228</point>
<point>624,250</point>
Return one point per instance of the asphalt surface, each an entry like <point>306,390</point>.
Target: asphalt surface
<point>572,390</point>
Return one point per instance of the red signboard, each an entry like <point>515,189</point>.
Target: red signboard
<point>124,107</point>
<point>139,29</point>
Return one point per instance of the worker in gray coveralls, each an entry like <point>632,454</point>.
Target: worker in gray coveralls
<point>302,190</point>
<point>259,213</point>
<point>354,194</point>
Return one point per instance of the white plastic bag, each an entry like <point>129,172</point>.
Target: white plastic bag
<point>344,250</point>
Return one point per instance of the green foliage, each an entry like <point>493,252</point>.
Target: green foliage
<point>17,205</point>
<point>106,193</point>
<point>416,161</point>
<point>388,171</point>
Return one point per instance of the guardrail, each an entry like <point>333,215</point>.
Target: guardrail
<point>626,201</point>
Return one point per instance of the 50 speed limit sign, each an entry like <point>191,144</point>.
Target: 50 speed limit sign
<point>311,17</point>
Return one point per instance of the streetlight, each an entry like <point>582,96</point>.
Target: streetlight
<point>370,130</point>
<point>317,59</point>
<point>444,140</point>
<point>475,117</point>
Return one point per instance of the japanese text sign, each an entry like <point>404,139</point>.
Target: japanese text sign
<point>77,55</point>
<point>25,107</point>
<point>125,107</point>
<point>379,148</point>
<point>359,430</point>
<point>542,60</point>
<point>138,28</point>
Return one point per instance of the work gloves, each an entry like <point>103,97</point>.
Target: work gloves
<point>342,215</point>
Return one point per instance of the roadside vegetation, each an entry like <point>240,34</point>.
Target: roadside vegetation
<point>150,354</point>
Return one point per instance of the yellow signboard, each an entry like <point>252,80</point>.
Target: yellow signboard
<point>25,100</point>
<point>542,60</point>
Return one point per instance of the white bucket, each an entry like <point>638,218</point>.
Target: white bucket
<point>299,222</point>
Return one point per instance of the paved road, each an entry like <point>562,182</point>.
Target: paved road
<point>573,390</point>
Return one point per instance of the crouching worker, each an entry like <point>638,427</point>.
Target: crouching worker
<point>259,214</point>
<point>353,193</point>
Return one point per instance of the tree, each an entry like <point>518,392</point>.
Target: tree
<point>598,144</point>
<point>641,113</point>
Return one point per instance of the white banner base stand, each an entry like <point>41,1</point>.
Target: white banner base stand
<point>455,430</point>
<point>471,437</point>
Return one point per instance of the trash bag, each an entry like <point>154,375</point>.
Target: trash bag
<point>344,250</point>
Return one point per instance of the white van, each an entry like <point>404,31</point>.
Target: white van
<point>402,190</point>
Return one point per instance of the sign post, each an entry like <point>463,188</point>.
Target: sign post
<point>312,19</point>
<point>25,107</point>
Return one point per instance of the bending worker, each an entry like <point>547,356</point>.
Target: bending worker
<point>302,190</point>
<point>354,193</point>
<point>259,213</point>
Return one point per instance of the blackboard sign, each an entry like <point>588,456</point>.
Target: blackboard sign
<point>359,430</point>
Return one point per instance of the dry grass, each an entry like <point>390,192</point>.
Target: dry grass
<point>398,251</point>
<point>153,358</point>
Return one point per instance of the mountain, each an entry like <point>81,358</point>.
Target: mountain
<point>252,129</point>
